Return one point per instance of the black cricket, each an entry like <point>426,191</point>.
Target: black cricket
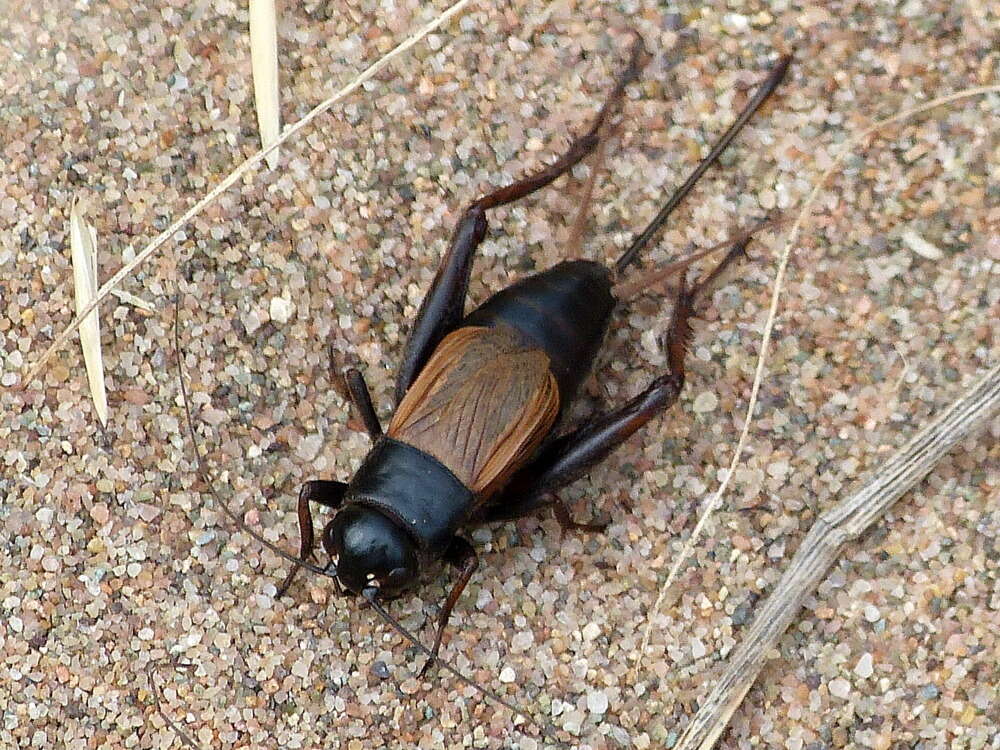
<point>405,508</point>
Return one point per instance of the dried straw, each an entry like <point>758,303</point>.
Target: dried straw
<point>264,64</point>
<point>83,250</point>
<point>235,175</point>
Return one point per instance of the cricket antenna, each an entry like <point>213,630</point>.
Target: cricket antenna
<point>632,288</point>
<point>371,596</point>
<point>329,570</point>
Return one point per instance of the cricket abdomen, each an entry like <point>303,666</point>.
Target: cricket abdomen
<point>564,311</point>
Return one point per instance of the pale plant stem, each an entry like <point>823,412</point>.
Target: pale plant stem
<point>821,547</point>
<point>712,503</point>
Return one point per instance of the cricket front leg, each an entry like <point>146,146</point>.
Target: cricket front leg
<point>362,401</point>
<point>463,556</point>
<point>325,492</point>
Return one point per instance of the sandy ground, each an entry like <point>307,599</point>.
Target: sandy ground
<point>114,561</point>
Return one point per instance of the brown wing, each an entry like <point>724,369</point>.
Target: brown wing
<point>481,406</point>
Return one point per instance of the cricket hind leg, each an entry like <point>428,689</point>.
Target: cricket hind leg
<point>443,307</point>
<point>763,92</point>
<point>569,456</point>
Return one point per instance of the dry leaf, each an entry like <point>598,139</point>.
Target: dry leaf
<point>83,248</point>
<point>264,61</point>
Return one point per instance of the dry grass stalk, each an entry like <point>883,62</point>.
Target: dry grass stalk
<point>370,72</point>
<point>130,299</point>
<point>712,503</point>
<point>159,700</point>
<point>264,63</point>
<point>83,249</point>
<point>843,523</point>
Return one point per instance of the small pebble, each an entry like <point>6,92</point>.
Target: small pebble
<point>735,23</point>
<point>300,667</point>
<point>507,675</point>
<point>100,513</point>
<point>860,588</point>
<point>920,246</point>
<point>182,57</point>
<point>573,721</point>
<point>597,702</point>
<point>281,310</point>
<point>520,642</point>
<point>517,45</point>
<point>840,688</point>
<point>778,469</point>
<point>309,447</point>
<point>931,551</point>
<point>864,668</point>
<point>776,551</point>
<point>705,402</point>
<point>673,21</point>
